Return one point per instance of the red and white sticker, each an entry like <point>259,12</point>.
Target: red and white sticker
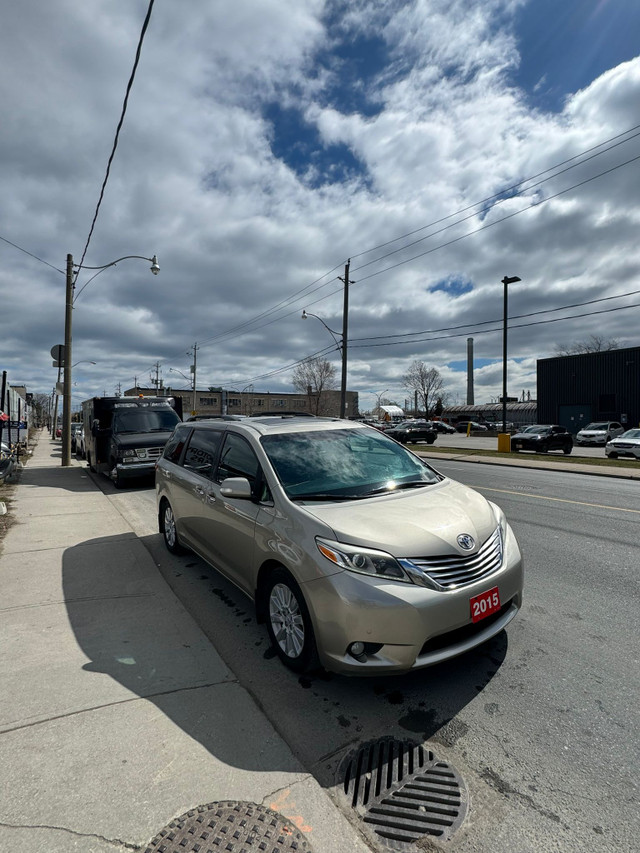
<point>485,604</point>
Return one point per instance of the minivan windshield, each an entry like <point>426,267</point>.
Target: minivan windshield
<point>597,426</point>
<point>144,420</point>
<point>343,464</point>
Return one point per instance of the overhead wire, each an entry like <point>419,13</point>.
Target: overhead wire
<point>117,134</point>
<point>500,196</point>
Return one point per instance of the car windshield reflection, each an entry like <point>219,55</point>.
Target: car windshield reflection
<point>343,464</point>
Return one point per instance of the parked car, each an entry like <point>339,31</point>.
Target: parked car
<point>80,443</point>
<point>627,444</point>
<point>543,438</point>
<point>411,432</point>
<point>442,427</point>
<point>599,433</point>
<point>357,554</point>
<point>75,430</point>
<point>461,426</point>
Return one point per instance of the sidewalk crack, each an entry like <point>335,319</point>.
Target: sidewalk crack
<point>116,842</point>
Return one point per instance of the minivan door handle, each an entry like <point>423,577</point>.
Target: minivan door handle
<point>199,491</point>
<point>211,498</point>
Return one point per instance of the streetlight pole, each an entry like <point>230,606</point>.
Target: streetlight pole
<point>342,344</point>
<point>68,317</point>
<point>506,281</point>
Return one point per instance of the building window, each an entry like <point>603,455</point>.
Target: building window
<point>208,401</point>
<point>278,403</point>
<point>234,401</point>
<point>258,402</point>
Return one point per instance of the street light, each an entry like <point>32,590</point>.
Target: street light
<point>70,285</point>
<point>506,281</point>
<point>342,344</point>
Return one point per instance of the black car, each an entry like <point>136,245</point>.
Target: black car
<point>541,438</point>
<point>411,432</point>
<point>441,426</point>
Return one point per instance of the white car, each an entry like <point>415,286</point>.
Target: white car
<point>627,444</point>
<point>599,433</point>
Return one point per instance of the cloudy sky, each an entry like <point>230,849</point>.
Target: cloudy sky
<point>438,144</point>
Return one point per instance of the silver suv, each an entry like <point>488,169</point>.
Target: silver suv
<point>599,433</point>
<point>358,555</point>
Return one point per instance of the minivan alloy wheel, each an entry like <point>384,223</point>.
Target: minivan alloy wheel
<point>169,530</point>
<point>286,620</point>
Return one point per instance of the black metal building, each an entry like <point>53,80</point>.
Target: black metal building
<point>574,390</point>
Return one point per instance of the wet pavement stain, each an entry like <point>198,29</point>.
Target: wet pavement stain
<point>422,722</point>
<point>224,598</point>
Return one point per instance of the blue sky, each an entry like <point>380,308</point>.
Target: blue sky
<point>564,45</point>
<point>264,144</point>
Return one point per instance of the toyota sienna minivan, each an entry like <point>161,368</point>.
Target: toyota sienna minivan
<point>358,555</point>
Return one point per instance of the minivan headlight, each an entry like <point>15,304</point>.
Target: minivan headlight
<point>364,561</point>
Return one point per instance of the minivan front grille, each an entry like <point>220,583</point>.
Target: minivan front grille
<point>455,570</point>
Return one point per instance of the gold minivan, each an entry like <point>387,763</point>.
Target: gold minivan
<point>358,555</point>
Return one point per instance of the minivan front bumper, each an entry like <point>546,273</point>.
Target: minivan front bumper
<point>406,626</point>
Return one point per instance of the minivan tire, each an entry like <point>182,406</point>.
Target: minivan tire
<point>168,529</point>
<point>289,623</point>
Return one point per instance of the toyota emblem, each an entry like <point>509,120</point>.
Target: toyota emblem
<point>466,542</point>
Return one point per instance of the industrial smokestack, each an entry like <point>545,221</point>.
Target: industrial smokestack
<point>470,400</point>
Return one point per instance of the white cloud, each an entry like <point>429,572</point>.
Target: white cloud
<point>238,231</point>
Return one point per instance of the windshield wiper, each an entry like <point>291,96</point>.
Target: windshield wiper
<point>325,497</point>
<point>385,490</point>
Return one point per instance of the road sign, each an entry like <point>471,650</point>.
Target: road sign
<point>57,354</point>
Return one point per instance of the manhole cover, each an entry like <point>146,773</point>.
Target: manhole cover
<point>231,827</point>
<point>403,792</point>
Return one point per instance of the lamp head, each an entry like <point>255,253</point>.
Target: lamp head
<point>304,314</point>
<point>510,279</point>
<point>155,266</point>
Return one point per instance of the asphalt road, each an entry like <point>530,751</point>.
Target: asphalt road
<point>542,723</point>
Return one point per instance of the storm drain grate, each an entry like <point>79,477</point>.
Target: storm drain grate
<point>403,792</point>
<point>232,827</point>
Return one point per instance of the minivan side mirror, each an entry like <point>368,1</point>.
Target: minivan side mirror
<point>95,427</point>
<point>236,487</point>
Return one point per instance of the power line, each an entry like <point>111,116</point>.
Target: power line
<point>117,135</point>
<point>499,328</point>
<point>502,196</point>
<point>15,246</point>
<point>499,221</point>
<point>471,326</point>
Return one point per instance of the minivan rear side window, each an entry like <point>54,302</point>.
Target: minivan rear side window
<point>174,447</point>
<point>202,451</point>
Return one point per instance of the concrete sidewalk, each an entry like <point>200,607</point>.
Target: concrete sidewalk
<point>116,713</point>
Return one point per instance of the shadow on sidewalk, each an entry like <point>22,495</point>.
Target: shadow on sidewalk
<point>128,623</point>
<point>320,715</point>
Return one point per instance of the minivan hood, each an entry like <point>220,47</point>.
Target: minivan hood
<point>412,523</point>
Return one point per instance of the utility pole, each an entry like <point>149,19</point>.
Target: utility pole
<point>345,328</point>
<point>193,369</point>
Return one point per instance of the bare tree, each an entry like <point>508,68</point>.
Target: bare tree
<point>427,383</point>
<point>594,343</point>
<point>312,377</point>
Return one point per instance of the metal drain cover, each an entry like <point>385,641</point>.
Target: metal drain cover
<point>229,827</point>
<point>403,792</point>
